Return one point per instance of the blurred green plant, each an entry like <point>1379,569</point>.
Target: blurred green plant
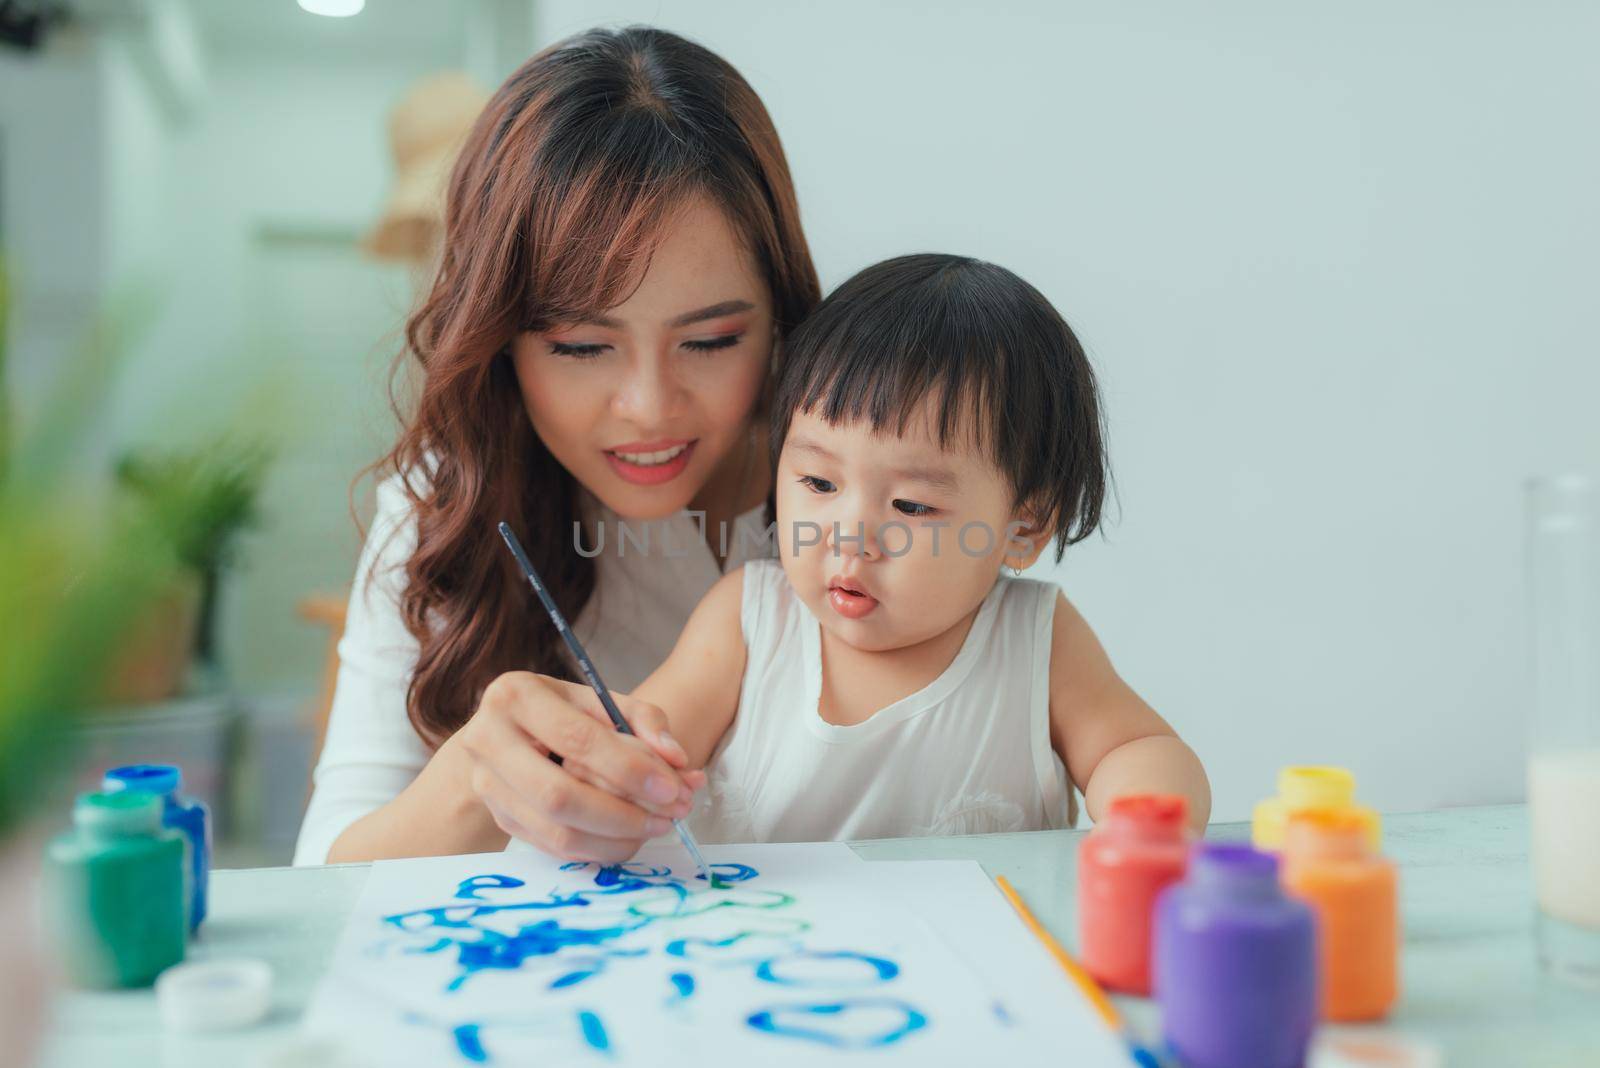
<point>74,572</point>
<point>202,499</point>
<point>5,392</point>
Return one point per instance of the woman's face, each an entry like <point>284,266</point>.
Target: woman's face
<point>645,402</point>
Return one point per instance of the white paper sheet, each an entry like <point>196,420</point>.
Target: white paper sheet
<point>959,901</point>
<point>805,954</point>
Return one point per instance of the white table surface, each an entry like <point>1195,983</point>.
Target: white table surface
<point>1469,977</point>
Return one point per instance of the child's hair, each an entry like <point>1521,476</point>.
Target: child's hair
<point>1001,363</point>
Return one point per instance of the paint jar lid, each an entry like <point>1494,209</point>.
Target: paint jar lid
<point>1233,870</point>
<point>1149,815</point>
<point>1350,832</point>
<point>1372,1048</point>
<point>156,778</point>
<point>1306,786</point>
<point>124,813</point>
<point>214,995</point>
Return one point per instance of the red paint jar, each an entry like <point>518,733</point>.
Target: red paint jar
<point>1129,857</point>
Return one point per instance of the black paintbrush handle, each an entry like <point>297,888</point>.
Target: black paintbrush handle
<point>579,653</point>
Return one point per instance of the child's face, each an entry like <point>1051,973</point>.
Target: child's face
<point>913,575</point>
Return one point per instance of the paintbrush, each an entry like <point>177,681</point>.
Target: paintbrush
<point>1079,975</point>
<point>587,667</point>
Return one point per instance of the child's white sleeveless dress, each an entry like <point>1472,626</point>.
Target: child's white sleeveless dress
<point>967,754</point>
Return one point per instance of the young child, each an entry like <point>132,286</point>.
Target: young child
<point>935,421</point>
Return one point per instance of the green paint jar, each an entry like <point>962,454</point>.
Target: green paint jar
<point>114,891</point>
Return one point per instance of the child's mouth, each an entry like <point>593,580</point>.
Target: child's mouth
<point>849,600</point>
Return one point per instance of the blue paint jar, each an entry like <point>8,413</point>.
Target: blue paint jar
<point>189,817</point>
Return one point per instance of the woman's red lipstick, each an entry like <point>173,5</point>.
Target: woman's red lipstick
<point>648,463</point>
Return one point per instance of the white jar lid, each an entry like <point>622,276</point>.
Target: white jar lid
<point>214,995</point>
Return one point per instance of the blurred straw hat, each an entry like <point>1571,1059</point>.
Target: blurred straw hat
<point>426,130</point>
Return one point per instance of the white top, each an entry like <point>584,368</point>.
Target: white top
<point>969,753</point>
<point>646,585</point>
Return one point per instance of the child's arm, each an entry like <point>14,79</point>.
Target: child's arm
<point>698,684</point>
<point>1111,741</point>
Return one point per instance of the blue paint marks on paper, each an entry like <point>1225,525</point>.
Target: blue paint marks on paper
<point>725,875</point>
<point>861,1024</point>
<point>594,1032</point>
<point>571,979</point>
<point>469,1044</point>
<point>492,928</point>
<point>542,939</point>
<point>836,969</point>
<point>679,947</point>
<point>469,887</point>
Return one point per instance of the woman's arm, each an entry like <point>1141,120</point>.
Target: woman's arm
<point>381,792</point>
<point>371,753</point>
<point>435,814</point>
<point>1110,740</point>
<point>494,778</point>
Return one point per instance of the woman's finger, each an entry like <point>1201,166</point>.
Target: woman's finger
<point>597,775</point>
<point>504,821</point>
<point>518,819</point>
<point>572,723</point>
<point>525,785</point>
<point>585,775</point>
<point>647,721</point>
<point>650,723</point>
<point>695,779</point>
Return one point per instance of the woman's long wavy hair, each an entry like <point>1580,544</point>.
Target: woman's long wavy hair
<point>558,196</point>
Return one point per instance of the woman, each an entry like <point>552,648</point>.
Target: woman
<point>622,259</point>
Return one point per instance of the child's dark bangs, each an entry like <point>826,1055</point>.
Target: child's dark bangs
<point>884,369</point>
<point>889,403</point>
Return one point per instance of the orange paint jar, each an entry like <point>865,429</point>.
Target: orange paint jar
<point>1328,862</point>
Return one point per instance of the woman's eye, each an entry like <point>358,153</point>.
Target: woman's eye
<point>815,484</point>
<point>712,344</point>
<point>913,508</point>
<point>568,348</point>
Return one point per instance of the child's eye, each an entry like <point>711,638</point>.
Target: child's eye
<point>582,352</point>
<point>726,341</point>
<point>913,508</point>
<point>816,485</point>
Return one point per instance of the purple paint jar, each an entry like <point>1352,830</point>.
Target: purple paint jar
<point>1235,965</point>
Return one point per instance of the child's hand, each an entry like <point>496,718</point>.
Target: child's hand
<point>607,793</point>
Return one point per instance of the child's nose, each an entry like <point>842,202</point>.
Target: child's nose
<point>854,536</point>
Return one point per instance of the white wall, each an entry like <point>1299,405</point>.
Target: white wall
<point>88,203</point>
<point>273,318</point>
<point>1335,268</point>
<point>55,259</point>
<point>232,222</point>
